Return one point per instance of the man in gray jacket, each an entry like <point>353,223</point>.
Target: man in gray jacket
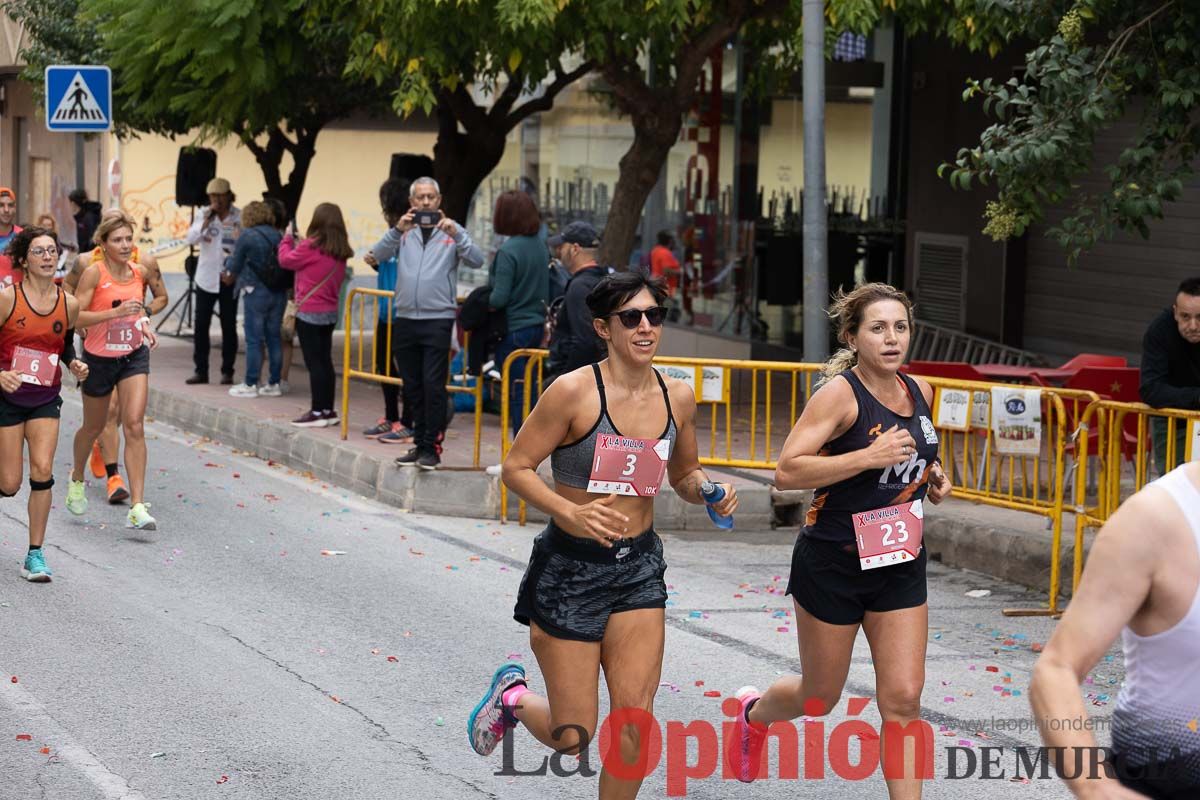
<point>428,247</point>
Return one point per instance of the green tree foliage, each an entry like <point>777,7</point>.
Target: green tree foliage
<point>1094,63</point>
<point>262,72</point>
<point>481,67</point>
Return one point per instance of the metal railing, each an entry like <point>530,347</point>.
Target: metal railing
<point>358,300</point>
<point>935,343</point>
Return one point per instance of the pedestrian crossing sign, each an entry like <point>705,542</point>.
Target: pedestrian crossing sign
<point>78,98</point>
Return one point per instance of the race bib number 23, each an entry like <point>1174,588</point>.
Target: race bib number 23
<point>889,535</point>
<point>623,465</point>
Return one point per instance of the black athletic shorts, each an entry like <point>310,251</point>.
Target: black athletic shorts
<point>573,585</point>
<point>828,583</point>
<point>105,373</point>
<point>12,414</point>
<point>1163,779</point>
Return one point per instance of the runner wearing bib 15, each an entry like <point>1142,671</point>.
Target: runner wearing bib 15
<point>36,321</point>
<point>117,348</point>
<point>594,595</point>
<point>867,445</point>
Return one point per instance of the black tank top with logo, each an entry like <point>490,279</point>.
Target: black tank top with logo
<point>829,515</point>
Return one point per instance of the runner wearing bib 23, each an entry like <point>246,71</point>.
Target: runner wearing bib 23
<point>593,595</point>
<point>117,349</point>
<point>36,332</point>
<point>867,444</point>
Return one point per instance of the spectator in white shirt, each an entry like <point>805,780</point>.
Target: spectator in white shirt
<point>216,232</point>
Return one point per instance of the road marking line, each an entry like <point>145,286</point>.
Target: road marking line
<point>45,729</point>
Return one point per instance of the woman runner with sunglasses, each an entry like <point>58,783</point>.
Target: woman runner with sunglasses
<point>593,595</point>
<point>36,332</point>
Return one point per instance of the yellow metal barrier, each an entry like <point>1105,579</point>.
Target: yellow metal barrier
<point>1107,422</point>
<point>358,300</point>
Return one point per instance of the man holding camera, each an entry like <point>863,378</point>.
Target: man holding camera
<point>428,247</point>
<point>216,231</point>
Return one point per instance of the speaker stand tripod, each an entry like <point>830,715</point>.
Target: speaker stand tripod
<point>185,314</point>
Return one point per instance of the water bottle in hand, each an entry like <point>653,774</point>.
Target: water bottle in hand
<point>715,493</point>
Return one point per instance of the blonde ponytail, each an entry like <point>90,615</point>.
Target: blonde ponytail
<point>842,360</point>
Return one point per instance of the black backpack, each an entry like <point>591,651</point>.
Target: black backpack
<point>273,276</point>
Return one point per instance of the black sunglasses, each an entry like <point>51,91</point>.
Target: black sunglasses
<point>632,317</point>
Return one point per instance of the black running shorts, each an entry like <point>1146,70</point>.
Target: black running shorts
<point>573,585</point>
<point>13,414</point>
<point>105,373</point>
<point>828,583</point>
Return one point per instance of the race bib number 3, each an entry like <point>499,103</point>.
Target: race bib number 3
<point>35,366</point>
<point>889,535</point>
<point>629,466</point>
<point>123,335</point>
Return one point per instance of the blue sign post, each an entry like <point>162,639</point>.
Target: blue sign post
<point>78,98</point>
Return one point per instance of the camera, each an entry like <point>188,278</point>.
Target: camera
<point>426,219</point>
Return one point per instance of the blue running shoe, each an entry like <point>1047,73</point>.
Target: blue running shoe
<point>35,569</point>
<point>488,721</point>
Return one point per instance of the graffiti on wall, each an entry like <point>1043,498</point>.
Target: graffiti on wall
<point>161,223</point>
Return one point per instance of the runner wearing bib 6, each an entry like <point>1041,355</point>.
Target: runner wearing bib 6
<point>107,448</point>
<point>36,321</point>
<point>593,595</point>
<point>866,442</point>
<point>117,349</point>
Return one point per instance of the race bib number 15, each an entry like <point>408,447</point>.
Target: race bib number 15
<point>623,465</point>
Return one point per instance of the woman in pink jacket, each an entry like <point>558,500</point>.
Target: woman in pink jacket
<point>320,266</point>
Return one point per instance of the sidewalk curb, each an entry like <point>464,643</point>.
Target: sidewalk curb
<point>460,493</point>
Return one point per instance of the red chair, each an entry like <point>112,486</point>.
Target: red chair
<point>1093,360</point>
<point>1112,383</point>
<point>953,370</point>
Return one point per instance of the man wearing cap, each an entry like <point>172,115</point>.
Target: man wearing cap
<point>216,232</point>
<point>574,342</point>
<point>8,229</point>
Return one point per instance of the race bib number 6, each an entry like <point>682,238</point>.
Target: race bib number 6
<point>35,366</point>
<point>889,535</point>
<point>623,465</point>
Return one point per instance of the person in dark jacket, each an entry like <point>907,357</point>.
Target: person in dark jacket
<point>263,305</point>
<point>1171,367</point>
<point>574,342</point>
<point>87,217</point>
<point>520,281</point>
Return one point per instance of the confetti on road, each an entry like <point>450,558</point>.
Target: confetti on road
<point>223,779</point>
<point>712,693</point>
<point>333,552</point>
<point>24,737</point>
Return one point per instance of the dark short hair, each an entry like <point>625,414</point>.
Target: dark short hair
<point>516,214</point>
<point>664,238</point>
<point>1190,286</point>
<point>78,196</point>
<point>18,246</point>
<point>394,198</point>
<point>279,215</point>
<point>614,291</point>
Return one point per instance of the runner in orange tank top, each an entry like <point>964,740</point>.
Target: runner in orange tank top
<point>36,320</point>
<point>106,450</point>
<point>117,348</point>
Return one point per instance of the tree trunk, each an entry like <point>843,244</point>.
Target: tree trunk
<point>655,132</point>
<point>270,159</point>
<point>460,163</point>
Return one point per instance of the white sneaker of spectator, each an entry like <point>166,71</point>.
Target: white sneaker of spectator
<point>243,390</point>
<point>270,390</point>
<point>494,469</point>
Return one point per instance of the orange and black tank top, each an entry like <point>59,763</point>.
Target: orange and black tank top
<point>118,337</point>
<point>31,343</point>
<point>829,515</point>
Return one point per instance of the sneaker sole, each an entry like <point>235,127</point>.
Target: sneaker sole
<point>118,497</point>
<point>78,513</point>
<point>149,526</point>
<point>317,423</point>
<point>429,469</point>
<point>384,440</point>
<point>503,668</point>
<point>35,577</point>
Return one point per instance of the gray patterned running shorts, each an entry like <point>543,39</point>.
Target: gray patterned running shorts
<point>573,585</point>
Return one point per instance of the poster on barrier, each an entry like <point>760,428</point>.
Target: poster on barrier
<point>1193,440</point>
<point>953,409</point>
<point>688,375</point>
<point>715,382</point>
<point>1017,420</point>
<point>981,410</point>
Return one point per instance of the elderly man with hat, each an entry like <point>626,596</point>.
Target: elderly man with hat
<point>216,232</point>
<point>574,342</point>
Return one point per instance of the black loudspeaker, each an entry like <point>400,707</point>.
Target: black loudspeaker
<point>409,167</point>
<point>195,168</point>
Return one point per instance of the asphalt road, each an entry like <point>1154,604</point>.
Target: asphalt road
<point>225,656</point>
